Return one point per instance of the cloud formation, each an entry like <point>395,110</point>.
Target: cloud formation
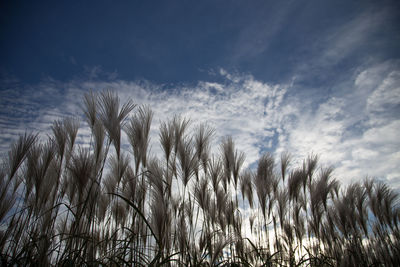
<point>355,128</point>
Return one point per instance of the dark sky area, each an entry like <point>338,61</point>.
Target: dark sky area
<point>181,41</point>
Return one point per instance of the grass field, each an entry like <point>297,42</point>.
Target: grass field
<point>100,204</point>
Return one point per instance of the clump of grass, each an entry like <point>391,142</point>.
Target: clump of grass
<point>108,203</point>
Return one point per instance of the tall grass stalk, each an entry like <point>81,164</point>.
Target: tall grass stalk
<point>110,203</point>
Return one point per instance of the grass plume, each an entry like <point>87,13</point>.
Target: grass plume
<point>65,204</point>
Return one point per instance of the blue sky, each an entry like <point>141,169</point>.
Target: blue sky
<point>303,76</point>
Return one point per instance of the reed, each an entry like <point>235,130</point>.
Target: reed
<point>109,203</point>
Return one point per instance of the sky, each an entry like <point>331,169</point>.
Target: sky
<point>313,76</point>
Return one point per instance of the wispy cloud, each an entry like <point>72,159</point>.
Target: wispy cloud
<point>256,35</point>
<point>355,128</point>
<point>350,42</point>
<point>241,106</point>
<point>350,36</point>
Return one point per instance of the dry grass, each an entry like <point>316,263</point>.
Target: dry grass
<point>63,205</point>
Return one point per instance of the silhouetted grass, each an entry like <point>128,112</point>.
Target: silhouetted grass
<point>68,205</point>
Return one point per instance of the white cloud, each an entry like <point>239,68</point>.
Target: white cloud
<point>355,130</point>
<point>247,109</point>
<point>386,95</point>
